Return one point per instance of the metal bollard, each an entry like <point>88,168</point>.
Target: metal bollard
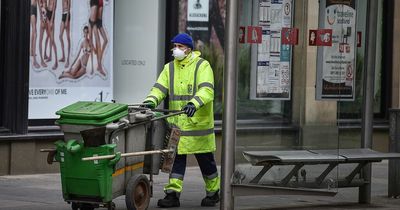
<point>394,146</point>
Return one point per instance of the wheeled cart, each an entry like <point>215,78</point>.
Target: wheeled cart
<point>96,129</point>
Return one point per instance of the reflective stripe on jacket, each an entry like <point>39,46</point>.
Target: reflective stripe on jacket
<point>189,80</point>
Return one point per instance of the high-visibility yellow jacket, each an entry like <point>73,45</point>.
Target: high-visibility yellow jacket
<point>189,80</point>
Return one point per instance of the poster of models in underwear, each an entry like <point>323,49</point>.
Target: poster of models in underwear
<point>71,54</point>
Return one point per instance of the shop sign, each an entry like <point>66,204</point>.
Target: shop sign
<point>242,34</point>
<point>324,37</point>
<point>254,34</point>
<point>312,38</point>
<point>290,36</point>
<point>198,10</point>
<point>359,38</point>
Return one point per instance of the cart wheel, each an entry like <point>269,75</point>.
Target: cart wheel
<point>87,207</point>
<point>74,206</point>
<point>111,206</point>
<point>137,195</point>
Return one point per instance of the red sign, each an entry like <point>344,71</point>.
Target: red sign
<point>312,38</point>
<point>324,37</point>
<point>254,34</point>
<point>290,36</point>
<point>242,34</point>
<point>359,38</point>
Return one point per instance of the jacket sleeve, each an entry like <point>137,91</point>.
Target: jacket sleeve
<point>205,86</point>
<point>160,89</point>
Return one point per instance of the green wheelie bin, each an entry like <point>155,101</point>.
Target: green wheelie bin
<point>85,183</point>
<point>96,129</point>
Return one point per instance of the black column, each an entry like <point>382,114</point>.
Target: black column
<point>1,68</point>
<point>171,29</point>
<point>171,26</point>
<point>387,51</point>
<point>15,65</point>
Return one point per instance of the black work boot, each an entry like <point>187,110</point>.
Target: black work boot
<point>170,200</point>
<point>210,200</point>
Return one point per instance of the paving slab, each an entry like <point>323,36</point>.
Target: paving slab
<point>43,192</point>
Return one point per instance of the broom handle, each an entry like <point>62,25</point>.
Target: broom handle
<point>128,154</point>
<point>168,115</point>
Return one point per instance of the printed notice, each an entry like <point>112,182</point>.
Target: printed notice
<point>272,75</point>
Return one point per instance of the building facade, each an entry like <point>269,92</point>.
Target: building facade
<point>292,93</point>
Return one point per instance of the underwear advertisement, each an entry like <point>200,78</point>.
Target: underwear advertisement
<point>71,54</point>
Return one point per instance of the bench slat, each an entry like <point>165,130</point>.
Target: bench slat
<point>360,154</point>
<point>290,157</point>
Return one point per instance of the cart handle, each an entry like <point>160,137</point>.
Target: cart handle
<point>126,126</point>
<point>48,150</point>
<point>129,154</point>
<point>154,110</point>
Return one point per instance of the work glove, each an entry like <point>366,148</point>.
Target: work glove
<point>148,104</point>
<point>189,109</point>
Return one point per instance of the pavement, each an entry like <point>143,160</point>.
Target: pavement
<point>43,192</point>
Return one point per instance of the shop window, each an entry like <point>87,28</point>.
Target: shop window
<point>14,24</point>
<point>208,31</point>
<point>352,109</point>
<point>208,34</point>
<point>262,96</point>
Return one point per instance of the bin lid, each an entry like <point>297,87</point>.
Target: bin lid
<point>93,113</point>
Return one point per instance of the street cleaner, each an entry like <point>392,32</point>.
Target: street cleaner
<point>188,81</point>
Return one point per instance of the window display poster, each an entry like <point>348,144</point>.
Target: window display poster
<point>273,69</point>
<point>198,10</point>
<point>336,63</point>
<point>197,19</point>
<point>71,54</point>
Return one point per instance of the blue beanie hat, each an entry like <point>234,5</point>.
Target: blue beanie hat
<point>183,38</point>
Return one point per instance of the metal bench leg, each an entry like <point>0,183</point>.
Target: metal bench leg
<point>294,171</point>
<point>261,174</point>
<point>356,171</point>
<point>325,173</point>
